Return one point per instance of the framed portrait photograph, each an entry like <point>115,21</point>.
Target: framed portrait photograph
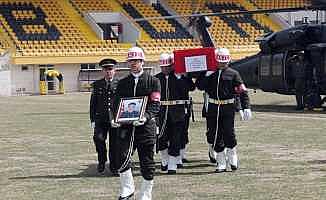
<point>131,109</point>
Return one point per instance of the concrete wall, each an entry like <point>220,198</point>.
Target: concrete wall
<point>5,75</point>
<point>70,76</point>
<point>23,81</point>
<point>5,83</point>
<point>292,17</point>
<point>26,82</point>
<point>18,81</point>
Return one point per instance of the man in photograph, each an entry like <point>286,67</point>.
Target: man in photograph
<point>131,111</point>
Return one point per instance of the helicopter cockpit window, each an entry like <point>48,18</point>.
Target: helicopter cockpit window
<point>265,65</point>
<point>277,65</point>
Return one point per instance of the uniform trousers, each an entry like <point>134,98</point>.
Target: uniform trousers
<point>225,136</point>
<point>100,135</point>
<point>143,141</point>
<point>171,137</point>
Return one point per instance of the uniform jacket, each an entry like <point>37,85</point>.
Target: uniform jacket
<point>175,89</point>
<point>149,86</point>
<point>229,80</point>
<point>101,102</point>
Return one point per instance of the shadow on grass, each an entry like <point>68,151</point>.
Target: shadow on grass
<point>90,171</point>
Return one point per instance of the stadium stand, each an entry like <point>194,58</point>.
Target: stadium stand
<point>52,28</point>
<point>165,35</point>
<point>269,4</point>
<point>87,5</point>
<point>56,28</point>
<point>237,32</point>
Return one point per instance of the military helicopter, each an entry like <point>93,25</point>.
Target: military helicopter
<point>270,69</point>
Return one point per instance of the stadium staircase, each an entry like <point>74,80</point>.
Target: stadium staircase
<point>261,18</point>
<point>237,32</point>
<point>5,43</point>
<point>165,35</point>
<point>77,19</point>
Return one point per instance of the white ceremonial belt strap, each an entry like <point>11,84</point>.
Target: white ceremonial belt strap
<point>221,102</point>
<point>175,102</point>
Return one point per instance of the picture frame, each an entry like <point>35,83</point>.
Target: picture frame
<point>131,109</point>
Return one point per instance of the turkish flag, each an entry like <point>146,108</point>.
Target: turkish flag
<point>194,60</point>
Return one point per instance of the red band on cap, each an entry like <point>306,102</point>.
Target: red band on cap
<point>223,58</point>
<point>135,54</point>
<point>165,62</point>
<point>155,96</point>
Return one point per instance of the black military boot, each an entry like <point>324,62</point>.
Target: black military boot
<point>220,170</point>
<point>129,197</point>
<point>101,168</point>
<point>164,168</point>
<point>233,168</point>
<point>211,158</point>
<point>179,166</point>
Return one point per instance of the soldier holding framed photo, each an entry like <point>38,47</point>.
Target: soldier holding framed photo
<point>141,133</point>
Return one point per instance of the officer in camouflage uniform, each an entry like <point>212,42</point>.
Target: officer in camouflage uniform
<point>101,104</point>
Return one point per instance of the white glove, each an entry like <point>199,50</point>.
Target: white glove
<point>241,115</point>
<point>157,130</point>
<point>115,125</point>
<point>179,75</point>
<point>247,114</point>
<point>208,73</point>
<point>140,122</point>
<point>92,125</point>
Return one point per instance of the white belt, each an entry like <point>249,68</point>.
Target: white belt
<point>175,102</point>
<point>220,102</point>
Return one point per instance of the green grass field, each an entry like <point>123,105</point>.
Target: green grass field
<point>47,153</point>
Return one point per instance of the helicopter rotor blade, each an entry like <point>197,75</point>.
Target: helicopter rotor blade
<point>258,11</point>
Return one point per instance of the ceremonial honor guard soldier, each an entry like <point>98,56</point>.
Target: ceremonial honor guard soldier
<point>222,86</point>
<point>141,134</point>
<point>173,115</point>
<point>101,113</point>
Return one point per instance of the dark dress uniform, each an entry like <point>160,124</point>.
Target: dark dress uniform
<point>101,105</point>
<point>298,69</point>
<point>133,114</point>
<point>142,137</point>
<point>221,106</point>
<point>175,112</point>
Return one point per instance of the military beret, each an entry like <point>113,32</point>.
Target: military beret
<point>107,63</point>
